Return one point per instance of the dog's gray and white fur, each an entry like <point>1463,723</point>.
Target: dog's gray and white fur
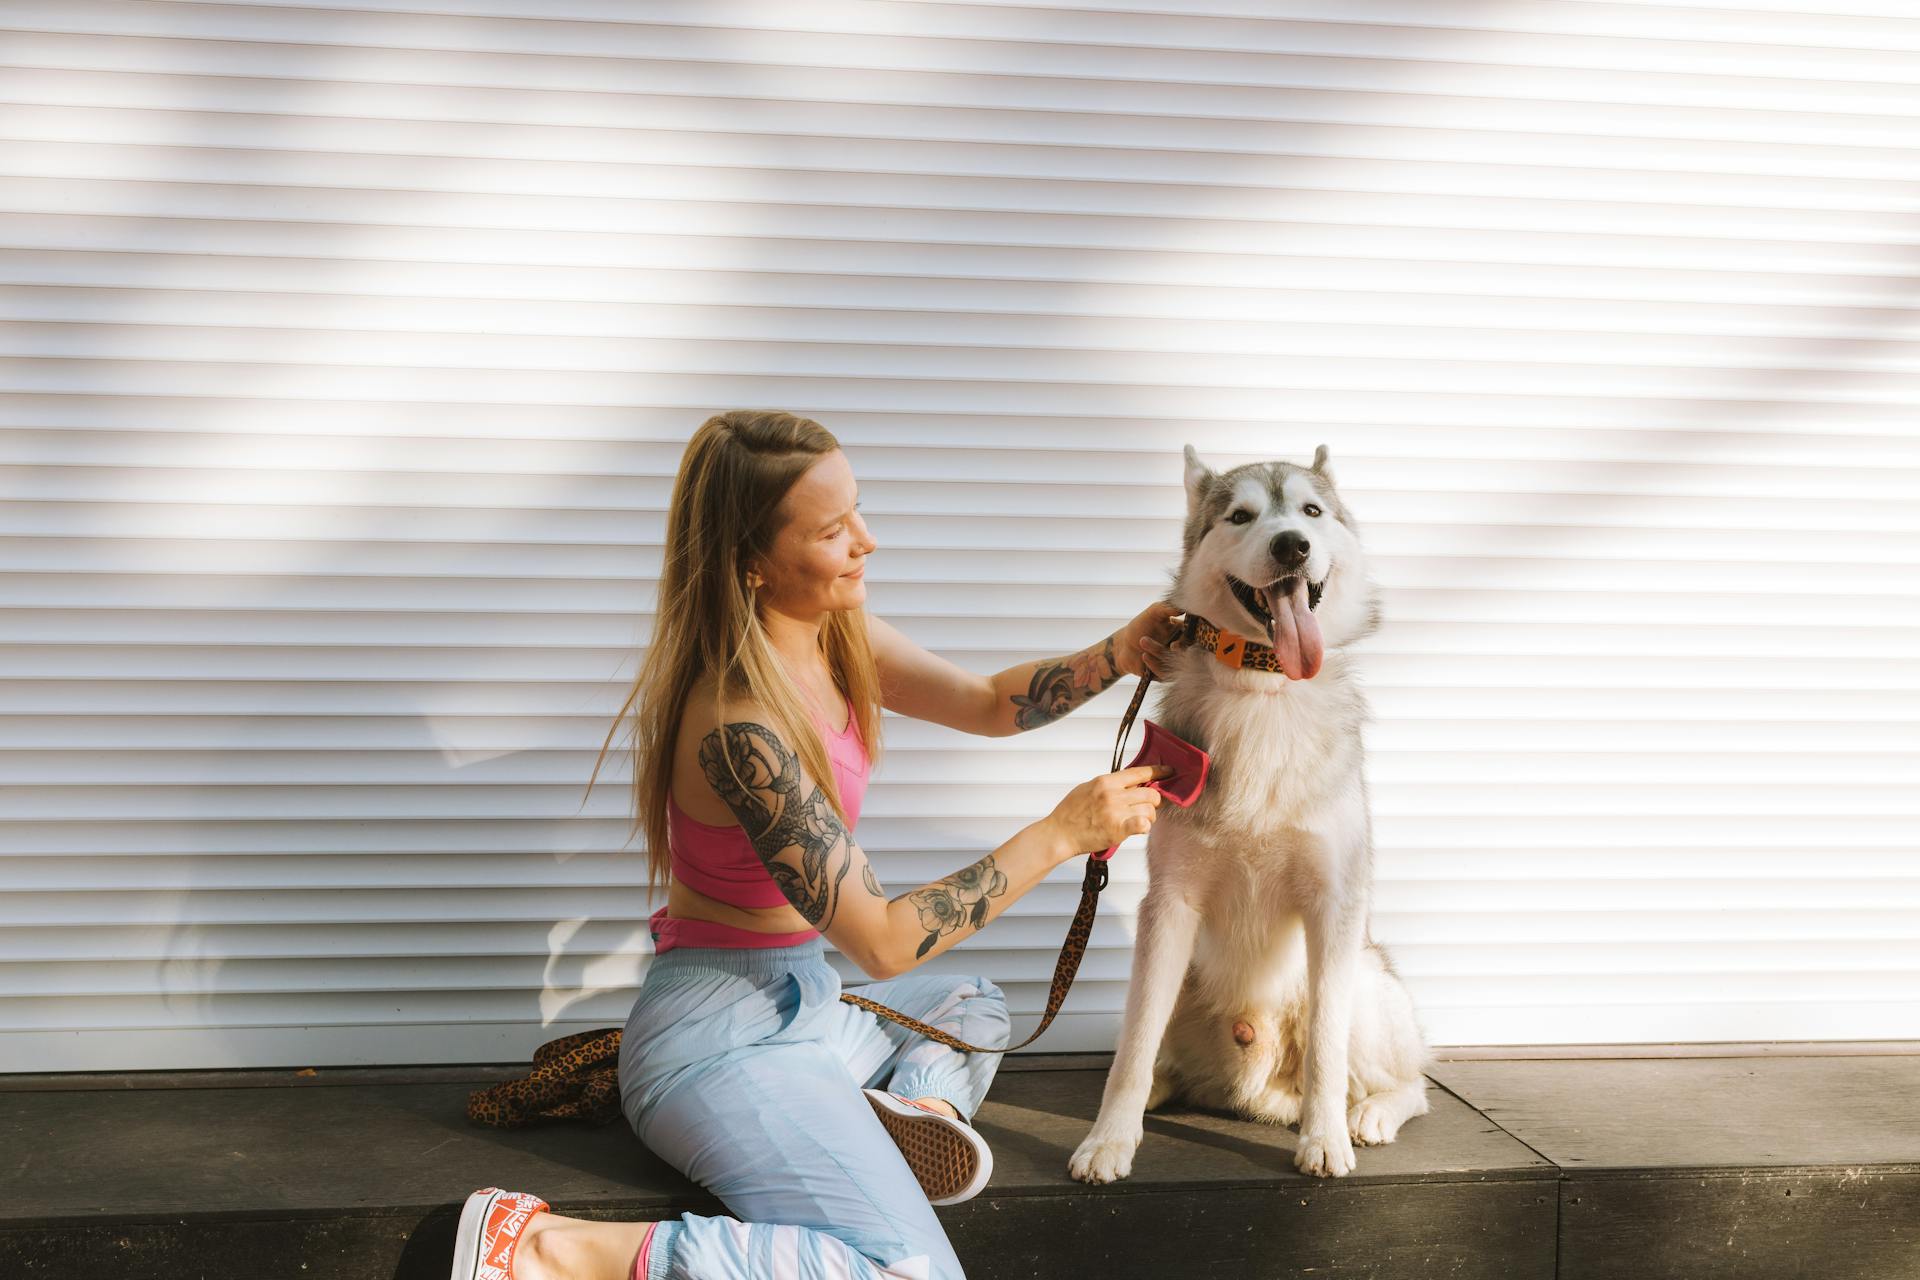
<point>1259,895</point>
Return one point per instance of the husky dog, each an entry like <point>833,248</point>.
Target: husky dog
<point>1256,986</point>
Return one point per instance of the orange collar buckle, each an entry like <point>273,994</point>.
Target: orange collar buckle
<point>1230,648</point>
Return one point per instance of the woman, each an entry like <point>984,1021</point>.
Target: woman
<point>825,1128</point>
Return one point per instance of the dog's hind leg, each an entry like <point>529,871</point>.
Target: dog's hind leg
<point>1376,1118</point>
<point>1162,950</point>
<point>1387,1073</point>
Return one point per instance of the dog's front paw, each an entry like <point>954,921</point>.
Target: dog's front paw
<point>1105,1155</point>
<point>1327,1155</point>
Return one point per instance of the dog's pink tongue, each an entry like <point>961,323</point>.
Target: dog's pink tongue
<point>1296,632</point>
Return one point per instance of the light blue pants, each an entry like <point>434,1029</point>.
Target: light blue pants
<point>743,1070</point>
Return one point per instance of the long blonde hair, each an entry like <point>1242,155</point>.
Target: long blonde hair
<point>735,472</point>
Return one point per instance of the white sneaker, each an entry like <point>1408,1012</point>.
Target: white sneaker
<point>949,1158</point>
<point>491,1224</point>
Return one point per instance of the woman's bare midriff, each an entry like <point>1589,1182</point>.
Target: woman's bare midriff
<point>686,904</point>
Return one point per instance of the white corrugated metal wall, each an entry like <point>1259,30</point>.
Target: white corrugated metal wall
<point>349,354</point>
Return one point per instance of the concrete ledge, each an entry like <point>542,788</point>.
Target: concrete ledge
<point>1694,1168</point>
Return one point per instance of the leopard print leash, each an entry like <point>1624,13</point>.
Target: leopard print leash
<point>1078,932</point>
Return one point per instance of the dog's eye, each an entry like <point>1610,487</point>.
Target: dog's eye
<point>1240,517</point>
<point>1311,509</point>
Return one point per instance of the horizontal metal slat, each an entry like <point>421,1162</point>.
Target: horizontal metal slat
<point>1060,112</point>
<point>982,144</point>
<point>884,38</point>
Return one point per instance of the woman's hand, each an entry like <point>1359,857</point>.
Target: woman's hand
<point>1103,811</point>
<point>1148,642</point>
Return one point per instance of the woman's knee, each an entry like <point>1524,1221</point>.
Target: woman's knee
<point>988,988</point>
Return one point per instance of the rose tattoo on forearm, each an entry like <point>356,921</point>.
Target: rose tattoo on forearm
<point>1061,684</point>
<point>958,899</point>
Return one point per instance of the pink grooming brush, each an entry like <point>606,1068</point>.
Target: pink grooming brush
<point>1189,777</point>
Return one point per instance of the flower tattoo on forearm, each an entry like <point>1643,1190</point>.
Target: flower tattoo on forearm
<point>1061,684</point>
<point>800,839</point>
<point>959,899</point>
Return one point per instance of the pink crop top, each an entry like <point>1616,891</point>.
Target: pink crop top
<point>721,862</point>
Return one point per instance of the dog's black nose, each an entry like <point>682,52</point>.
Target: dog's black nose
<point>1289,549</point>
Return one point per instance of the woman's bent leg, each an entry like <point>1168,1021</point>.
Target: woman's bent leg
<point>780,1133</point>
<point>880,1053</point>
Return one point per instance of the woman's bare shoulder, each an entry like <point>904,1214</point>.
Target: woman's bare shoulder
<point>699,718</point>
<point>693,790</point>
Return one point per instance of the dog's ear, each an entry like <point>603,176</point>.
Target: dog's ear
<point>1199,476</point>
<point>1320,463</point>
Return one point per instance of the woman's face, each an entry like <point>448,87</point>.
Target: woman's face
<point>819,557</point>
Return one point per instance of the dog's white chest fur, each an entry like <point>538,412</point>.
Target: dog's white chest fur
<point>1285,760</point>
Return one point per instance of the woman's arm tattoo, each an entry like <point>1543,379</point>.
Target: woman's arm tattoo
<point>960,898</point>
<point>777,818</point>
<point>1061,684</point>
